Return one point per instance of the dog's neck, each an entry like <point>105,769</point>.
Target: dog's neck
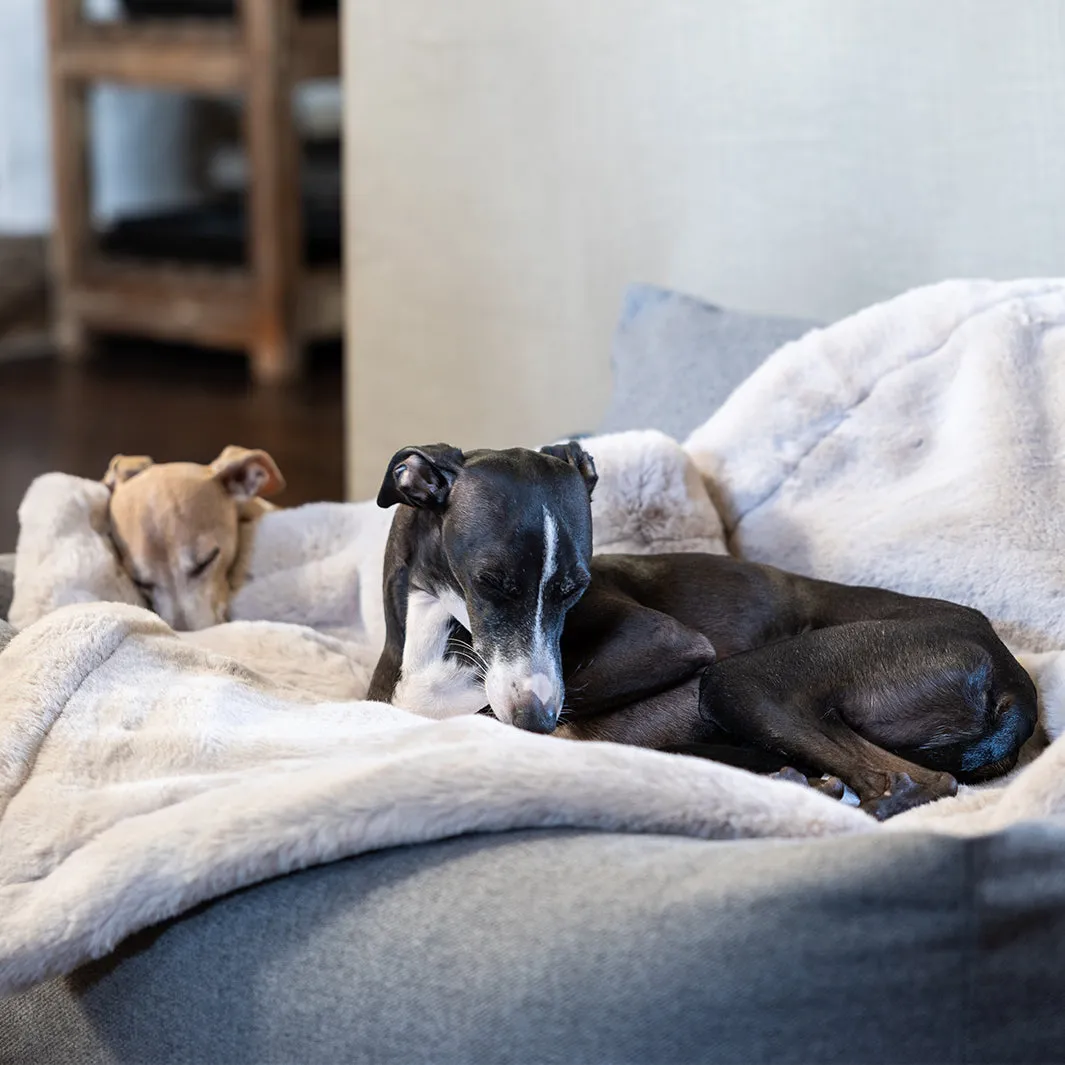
<point>418,536</point>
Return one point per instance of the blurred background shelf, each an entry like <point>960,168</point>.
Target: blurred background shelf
<point>256,265</point>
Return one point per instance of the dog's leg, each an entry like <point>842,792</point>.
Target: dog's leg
<point>669,721</point>
<point>432,681</point>
<point>616,652</point>
<point>390,665</point>
<point>669,718</point>
<point>783,698</point>
<point>417,669</point>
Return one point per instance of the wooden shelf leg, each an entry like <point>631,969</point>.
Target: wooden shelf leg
<point>275,360</point>
<point>71,337</point>
<point>275,201</point>
<point>70,168</point>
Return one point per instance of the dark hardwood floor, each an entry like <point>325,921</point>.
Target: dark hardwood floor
<point>170,403</point>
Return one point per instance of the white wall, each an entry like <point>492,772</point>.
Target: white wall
<point>514,163</point>
<point>25,185</point>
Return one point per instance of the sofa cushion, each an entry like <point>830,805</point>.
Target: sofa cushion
<point>558,946</point>
<point>676,358</point>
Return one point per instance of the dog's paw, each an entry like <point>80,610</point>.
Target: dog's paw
<point>793,776</point>
<point>904,793</point>
<point>833,787</point>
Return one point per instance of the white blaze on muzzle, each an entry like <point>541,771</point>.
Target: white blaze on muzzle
<point>542,686</point>
<point>527,690</point>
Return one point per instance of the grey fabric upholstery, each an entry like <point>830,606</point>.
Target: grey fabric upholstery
<point>676,358</point>
<point>579,947</point>
<point>7,583</point>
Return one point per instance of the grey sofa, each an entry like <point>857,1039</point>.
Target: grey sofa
<point>562,946</point>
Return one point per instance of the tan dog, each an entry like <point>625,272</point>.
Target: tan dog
<point>177,528</point>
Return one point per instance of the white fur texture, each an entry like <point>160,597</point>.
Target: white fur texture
<point>310,664</point>
<point>433,685</point>
<point>140,774</point>
<point>650,498</point>
<point>64,553</point>
<point>318,565</point>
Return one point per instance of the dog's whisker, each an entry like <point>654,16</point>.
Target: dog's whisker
<point>460,649</point>
<point>471,662</point>
<point>462,653</point>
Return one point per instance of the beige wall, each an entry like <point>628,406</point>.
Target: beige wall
<point>512,164</point>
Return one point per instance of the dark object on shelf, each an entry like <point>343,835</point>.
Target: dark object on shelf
<point>216,234</point>
<point>211,8</point>
<point>275,307</point>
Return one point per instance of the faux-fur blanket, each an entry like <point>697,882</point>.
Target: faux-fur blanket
<point>141,773</point>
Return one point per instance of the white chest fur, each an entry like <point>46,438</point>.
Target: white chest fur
<point>431,684</point>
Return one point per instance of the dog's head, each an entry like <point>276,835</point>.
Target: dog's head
<point>516,533</point>
<point>176,526</point>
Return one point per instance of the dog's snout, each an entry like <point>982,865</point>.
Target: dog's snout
<point>185,613</point>
<point>534,715</point>
<point>523,696</point>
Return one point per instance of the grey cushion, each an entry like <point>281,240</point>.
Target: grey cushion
<point>676,358</point>
<point>580,947</point>
<point>7,583</point>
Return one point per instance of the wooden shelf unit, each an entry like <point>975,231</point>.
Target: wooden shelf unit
<point>275,305</point>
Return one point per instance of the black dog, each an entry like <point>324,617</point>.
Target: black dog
<point>492,595</point>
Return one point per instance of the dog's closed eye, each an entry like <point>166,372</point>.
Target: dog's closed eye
<point>573,585</point>
<point>201,567</point>
<point>500,585</point>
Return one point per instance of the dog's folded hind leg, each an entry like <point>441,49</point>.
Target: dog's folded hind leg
<point>746,696</point>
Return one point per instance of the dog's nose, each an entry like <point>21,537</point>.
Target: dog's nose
<point>534,715</point>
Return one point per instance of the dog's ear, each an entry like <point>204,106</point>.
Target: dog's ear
<point>421,476</point>
<point>246,473</point>
<point>123,467</point>
<point>577,457</point>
